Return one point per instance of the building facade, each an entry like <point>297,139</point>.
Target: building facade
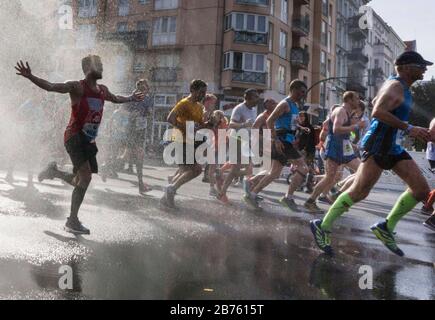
<point>231,44</point>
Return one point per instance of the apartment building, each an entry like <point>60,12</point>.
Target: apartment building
<point>384,45</point>
<point>231,44</point>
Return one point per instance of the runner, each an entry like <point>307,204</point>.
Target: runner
<point>118,137</point>
<point>306,144</point>
<point>383,151</point>
<point>210,102</point>
<point>87,100</point>
<point>339,150</point>
<point>283,124</point>
<point>218,122</point>
<point>137,126</point>
<point>243,117</point>
<point>261,125</point>
<point>189,109</point>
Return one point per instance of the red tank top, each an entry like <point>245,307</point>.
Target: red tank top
<point>87,114</point>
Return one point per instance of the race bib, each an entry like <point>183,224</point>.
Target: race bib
<point>347,148</point>
<point>400,137</point>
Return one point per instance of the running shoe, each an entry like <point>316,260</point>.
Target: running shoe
<point>426,211</point>
<point>213,192</point>
<point>289,203</point>
<point>312,207</point>
<point>325,199</point>
<point>381,232</point>
<point>321,237</point>
<point>252,203</point>
<point>430,223</point>
<point>75,226</point>
<point>48,173</point>
<point>223,198</point>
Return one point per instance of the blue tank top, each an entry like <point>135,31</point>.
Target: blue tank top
<point>382,139</point>
<point>287,122</point>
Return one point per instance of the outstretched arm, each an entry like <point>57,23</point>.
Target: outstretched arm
<point>26,72</point>
<point>135,97</point>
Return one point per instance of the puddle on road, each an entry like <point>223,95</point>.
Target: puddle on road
<point>217,267</point>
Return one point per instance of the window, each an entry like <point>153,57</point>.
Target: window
<point>88,8</point>
<point>323,35</point>
<point>325,7</point>
<point>269,73</point>
<point>123,7</point>
<point>141,26</point>
<point>168,60</point>
<point>246,22</point>
<point>122,27</point>
<point>283,44</point>
<point>272,8</point>
<point>86,36</point>
<point>255,2</point>
<point>329,40</point>
<point>281,79</point>
<point>328,70</point>
<point>164,31</point>
<point>323,63</point>
<point>244,61</point>
<point>271,37</point>
<point>165,100</point>
<point>166,4</point>
<point>144,2</point>
<point>284,11</point>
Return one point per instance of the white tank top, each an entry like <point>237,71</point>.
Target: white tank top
<point>430,151</point>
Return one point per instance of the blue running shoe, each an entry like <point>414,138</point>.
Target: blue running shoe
<point>381,232</point>
<point>321,237</point>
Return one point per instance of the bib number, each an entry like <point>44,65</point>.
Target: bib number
<point>347,148</point>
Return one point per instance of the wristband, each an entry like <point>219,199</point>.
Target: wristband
<point>408,129</point>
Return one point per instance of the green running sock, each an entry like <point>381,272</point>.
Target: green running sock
<point>340,206</point>
<point>404,204</point>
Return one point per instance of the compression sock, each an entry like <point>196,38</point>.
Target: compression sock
<point>404,204</point>
<point>340,206</point>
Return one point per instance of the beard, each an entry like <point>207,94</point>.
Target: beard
<point>96,75</point>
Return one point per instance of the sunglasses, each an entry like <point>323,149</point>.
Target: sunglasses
<point>418,66</point>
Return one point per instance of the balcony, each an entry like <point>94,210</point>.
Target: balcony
<point>301,26</point>
<point>354,29</point>
<point>164,75</point>
<point>358,58</point>
<point>254,2</point>
<point>135,39</point>
<point>299,58</point>
<point>382,49</point>
<point>251,37</point>
<point>298,3</point>
<point>259,78</point>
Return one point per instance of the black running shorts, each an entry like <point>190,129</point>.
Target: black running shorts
<point>386,162</point>
<point>81,150</point>
<point>289,153</point>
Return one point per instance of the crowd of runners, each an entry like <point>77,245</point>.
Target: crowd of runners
<point>286,136</point>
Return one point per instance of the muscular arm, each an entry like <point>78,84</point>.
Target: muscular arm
<point>278,112</point>
<point>260,121</point>
<point>390,98</point>
<point>117,99</point>
<point>72,87</point>
<point>339,117</point>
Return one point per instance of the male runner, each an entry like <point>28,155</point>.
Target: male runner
<point>383,151</point>
<point>189,109</point>
<point>87,100</point>
<point>339,150</point>
<point>243,117</point>
<point>283,123</point>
